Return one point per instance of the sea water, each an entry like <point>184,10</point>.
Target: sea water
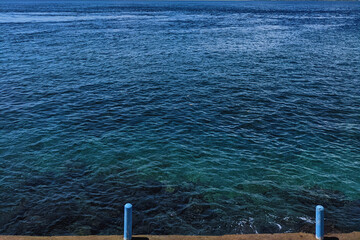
<point>209,117</point>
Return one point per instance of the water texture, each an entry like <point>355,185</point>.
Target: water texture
<point>209,117</point>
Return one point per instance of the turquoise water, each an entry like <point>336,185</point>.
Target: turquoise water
<point>209,117</point>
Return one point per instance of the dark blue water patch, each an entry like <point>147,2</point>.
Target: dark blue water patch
<point>94,206</point>
<point>211,118</point>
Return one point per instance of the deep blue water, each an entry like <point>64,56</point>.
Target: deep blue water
<point>209,117</point>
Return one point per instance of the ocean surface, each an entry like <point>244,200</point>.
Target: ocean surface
<point>209,117</point>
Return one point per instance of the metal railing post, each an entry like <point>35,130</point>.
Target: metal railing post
<point>127,221</point>
<point>319,227</point>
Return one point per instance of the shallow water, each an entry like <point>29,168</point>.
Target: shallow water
<point>209,117</point>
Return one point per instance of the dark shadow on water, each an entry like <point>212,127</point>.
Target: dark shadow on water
<point>331,238</point>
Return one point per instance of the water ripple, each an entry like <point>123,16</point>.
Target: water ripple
<point>210,118</point>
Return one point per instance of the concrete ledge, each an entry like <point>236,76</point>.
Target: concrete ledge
<point>280,236</point>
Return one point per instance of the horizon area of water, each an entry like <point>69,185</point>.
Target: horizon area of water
<point>209,117</point>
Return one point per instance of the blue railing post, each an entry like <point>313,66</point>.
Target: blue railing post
<point>127,221</point>
<point>319,231</point>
